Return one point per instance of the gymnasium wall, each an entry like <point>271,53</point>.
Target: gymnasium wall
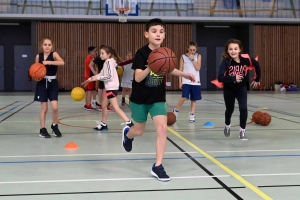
<point>278,48</point>
<point>71,41</point>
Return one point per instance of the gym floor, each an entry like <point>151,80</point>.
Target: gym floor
<point>201,161</point>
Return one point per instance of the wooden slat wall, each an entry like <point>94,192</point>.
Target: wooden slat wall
<point>278,49</point>
<point>71,41</point>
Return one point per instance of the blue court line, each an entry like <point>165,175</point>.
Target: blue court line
<point>9,110</point>
<point>141,159</point>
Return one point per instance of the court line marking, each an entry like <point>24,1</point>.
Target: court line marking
<point>145,178</point>
<point>139,159</point>
<point>249,151</point>
<point>105,154</point>
<point>149,153</point>
<point>222,166</point>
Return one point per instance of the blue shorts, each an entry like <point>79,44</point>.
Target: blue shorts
<point>192,92</point>
<point>42,94</point>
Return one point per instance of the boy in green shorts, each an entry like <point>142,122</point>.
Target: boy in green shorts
<point>149,96</point>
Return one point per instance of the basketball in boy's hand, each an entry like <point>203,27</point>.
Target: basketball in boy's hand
<point>78,94</point>
<point>265,119</point>
<point>171,118</point>
<point>162,61</point>
<point>37,71</point>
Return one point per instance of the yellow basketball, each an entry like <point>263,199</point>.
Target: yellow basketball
<point>78,94</point>
<point>120,70</point>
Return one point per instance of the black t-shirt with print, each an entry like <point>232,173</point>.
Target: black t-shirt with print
<point>152,88</point>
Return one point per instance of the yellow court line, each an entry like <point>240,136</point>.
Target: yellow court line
<point>229,171</point>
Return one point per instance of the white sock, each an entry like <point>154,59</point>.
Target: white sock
<point>93,101</point>
<point>227,126</point>
<point>242,129</point>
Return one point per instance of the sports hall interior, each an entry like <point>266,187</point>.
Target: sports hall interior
<point>201,162</point>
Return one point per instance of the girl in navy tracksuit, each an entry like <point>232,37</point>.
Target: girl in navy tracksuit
<point>233,69</point>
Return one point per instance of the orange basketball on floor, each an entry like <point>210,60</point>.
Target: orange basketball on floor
<point>265,119</point>
<point>162,61</point>
<point>255,116</point>
<point>37,71</point>
<point>171,118</point>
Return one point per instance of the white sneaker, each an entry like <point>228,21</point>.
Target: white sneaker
<point>192,117</point>
<point>175,112</point>
<point>94,105</point>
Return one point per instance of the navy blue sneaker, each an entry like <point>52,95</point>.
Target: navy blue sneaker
<point>160,173</point>
<point>126,142</point>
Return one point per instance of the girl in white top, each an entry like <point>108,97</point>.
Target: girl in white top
<point>190,63</point>
<point>127,77</point>
<point>110,78</point>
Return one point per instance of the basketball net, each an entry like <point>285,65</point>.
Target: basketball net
<point>122,11</point>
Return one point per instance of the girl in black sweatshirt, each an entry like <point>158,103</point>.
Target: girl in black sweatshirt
<point>233,69</point>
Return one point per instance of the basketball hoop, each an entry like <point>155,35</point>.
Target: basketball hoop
<point>123,14</point>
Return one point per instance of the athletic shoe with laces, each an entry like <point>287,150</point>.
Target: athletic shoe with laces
<point>227,131</point>
<point>101,127</point>
<point>243,136</point>
<point>126,142</point>
<point>88,107</point>
<point>44,133</point>
<point>191,117</point>
<point>55,130</point>
<point>160,173</point>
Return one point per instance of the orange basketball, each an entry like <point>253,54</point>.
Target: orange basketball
<point>171,118</point>
<point>265,119</point>
<point>255,117</point>
<point>37,71</point>
<point>162,61</point>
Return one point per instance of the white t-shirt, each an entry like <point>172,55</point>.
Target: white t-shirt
<point>189,67</point>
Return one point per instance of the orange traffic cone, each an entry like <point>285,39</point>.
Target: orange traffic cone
<point>71,145</point>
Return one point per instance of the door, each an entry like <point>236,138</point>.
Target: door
<point>203,71</point>
<point>24,58</point>
<point>1,68</point>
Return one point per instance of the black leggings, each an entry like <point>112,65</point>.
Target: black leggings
<point>229,97</point>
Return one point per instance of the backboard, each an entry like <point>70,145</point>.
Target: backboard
<point>130,7</point>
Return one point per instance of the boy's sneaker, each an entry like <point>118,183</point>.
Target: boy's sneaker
<point>44,133</point>
<point>101,127</point>
<point>55,130</point>
<point>175,112</point>
<point>160,173</point>
<point>88,107</point>
<point>227,131</point>
<point>126,142</point>
<point>243,136</point>
<point>191,117</point>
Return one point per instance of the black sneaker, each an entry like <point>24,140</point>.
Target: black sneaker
<point>227,131</point>
<point>160,173</point>
<point>44,133</point>
<point>126,142</point>
<point>55,130</point>
<point>101,127</point>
